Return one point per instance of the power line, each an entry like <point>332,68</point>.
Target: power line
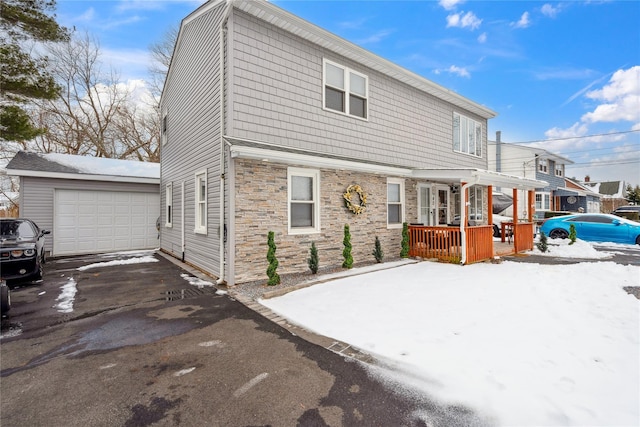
<point>573,137</point>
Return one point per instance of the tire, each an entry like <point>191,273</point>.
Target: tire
<point>638,240</point>
<point>5,300</point>
<point>496,231</point>
<point>558,233</point>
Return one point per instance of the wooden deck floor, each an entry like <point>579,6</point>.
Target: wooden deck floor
<point>500,248</point>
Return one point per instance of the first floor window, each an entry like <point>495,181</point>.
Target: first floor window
<point>476,199</point>
<point>201,202</point>
<point>169,205</point>
<point>543,201</point>
<point>395,202</point>
<point>304,195</point>
<point>467,135</point>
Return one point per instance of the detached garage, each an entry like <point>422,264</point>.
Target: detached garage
<point>91,205</point>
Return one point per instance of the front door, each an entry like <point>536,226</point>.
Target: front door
<point>426,210</point>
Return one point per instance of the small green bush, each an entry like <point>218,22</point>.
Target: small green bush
<point>542,244</point>
<point>346,252</point>
<point>572,234</point>
<point>404,252</point>
<point>274,278</point>
<point>377,253</point>
<point>313,261</point>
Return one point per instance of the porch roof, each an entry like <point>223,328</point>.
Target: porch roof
<point>480,177</point>
<point>258,150</point>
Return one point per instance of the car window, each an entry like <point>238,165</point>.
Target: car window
<point>592,218</point>
<point>17,230</point>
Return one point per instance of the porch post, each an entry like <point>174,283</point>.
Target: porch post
<point>490,203</point>
<point>515,220</point>
<point>532,205</point>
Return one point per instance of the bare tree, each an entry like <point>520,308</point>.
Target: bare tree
<point>96,114</point>
<point>161,53</point>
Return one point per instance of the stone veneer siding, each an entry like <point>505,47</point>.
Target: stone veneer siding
<point>261,206</point>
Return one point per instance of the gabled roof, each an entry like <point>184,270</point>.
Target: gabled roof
<point>609,189</point>
<point>274,15</point>
<point>69,166</point>
<point>573,187</point>
<point>535,151</point>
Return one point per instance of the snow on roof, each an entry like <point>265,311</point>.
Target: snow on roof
<point>70,166</point>
<point>103,166</point>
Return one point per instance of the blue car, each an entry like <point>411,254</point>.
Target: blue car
<point>594,227</point>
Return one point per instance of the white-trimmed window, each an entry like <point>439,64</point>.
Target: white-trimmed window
<point>345,90</point>
<point>543,201</point>
<point>201,202</point>
<point>164,128</point>
<point>476,202</point>
<point>303,189</point>
<point>395,202</point>
<point>543,165</point>
<point>559,170</point>
<point>168,213</point>
<point>467,135</point>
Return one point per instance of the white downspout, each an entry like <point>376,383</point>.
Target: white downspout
<point>182,221</point>
<point>463,218</point>
<point>221,242</point>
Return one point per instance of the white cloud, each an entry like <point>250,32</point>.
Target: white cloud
<point>464,20</point>
<point>549,10</point>
<point>523,22</point>
<point>620,97</point>
<point>460,71</point>
<point>482,38</point>
<point>450,4</point>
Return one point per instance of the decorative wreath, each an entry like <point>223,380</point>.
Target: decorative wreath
<point>349,202</point>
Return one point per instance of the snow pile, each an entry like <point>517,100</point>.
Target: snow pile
<point>525,344</point>
<point>561,248</point>
<point>64,302</point>
<point>135,260</point>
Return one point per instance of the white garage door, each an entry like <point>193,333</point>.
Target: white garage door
<point>104,221</point>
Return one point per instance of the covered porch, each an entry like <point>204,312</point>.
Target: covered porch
<point>471,239</point>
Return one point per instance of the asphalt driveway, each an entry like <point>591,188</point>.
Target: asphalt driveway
<point>138,345</point>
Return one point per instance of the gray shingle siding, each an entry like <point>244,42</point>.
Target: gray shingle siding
<point>277,97</point>
<point>191,102</point>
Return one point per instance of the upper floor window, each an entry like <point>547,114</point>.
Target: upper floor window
<point>345,90</point>
<point>168,205</point>
<point>559,170</point>
<point>304,195</point>
<point>164,129</point>
<point>467,135</point>
<point>543,165</point>
<point>201,202</point>
<point>395,202</point>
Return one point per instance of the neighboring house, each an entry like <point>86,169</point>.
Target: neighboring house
<point>89,204</point>
<point>533,163</point>
<point>575,197</point>
<point>613,193</point>
<point>267,122</point>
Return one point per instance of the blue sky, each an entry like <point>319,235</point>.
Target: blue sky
<point>564,75</point>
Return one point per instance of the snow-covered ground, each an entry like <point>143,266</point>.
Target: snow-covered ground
<point>522,344</point>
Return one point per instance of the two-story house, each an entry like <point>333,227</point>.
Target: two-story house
<point>271,123</point>
<point>534,163</point>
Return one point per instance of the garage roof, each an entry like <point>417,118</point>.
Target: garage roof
<point>69,166</point>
